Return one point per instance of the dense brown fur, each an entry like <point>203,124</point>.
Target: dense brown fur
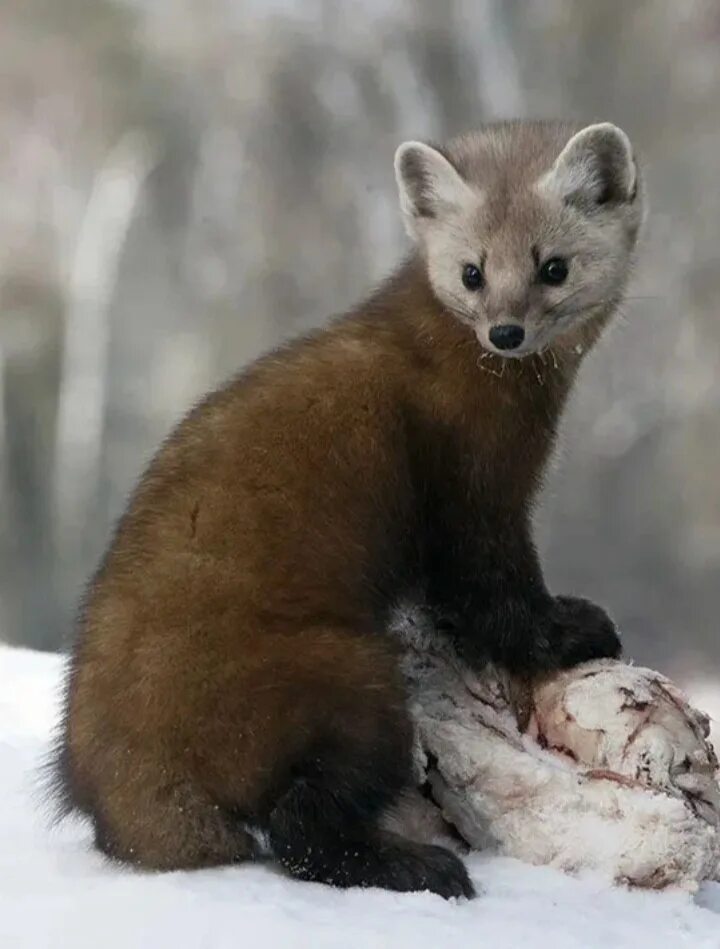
<point>231,671</point>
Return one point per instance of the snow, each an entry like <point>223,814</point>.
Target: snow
<point>56,892</point>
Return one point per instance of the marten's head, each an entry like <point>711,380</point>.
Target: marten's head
<point>527,228</point>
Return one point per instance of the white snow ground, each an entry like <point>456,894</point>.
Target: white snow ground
<point>55,892</point>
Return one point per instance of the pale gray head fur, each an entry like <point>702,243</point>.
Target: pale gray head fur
<point>512,196</point>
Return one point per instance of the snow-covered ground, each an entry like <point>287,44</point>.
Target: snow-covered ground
<point>55,892</point>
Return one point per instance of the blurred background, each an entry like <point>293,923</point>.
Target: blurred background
<point>184,183</point>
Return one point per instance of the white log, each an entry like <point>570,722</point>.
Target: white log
<point>614,773</point>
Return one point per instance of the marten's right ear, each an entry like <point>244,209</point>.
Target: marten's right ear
<point>429,185</point>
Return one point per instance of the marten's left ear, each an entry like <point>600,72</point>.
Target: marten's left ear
<point>596,167</point>
<point>430,187</point>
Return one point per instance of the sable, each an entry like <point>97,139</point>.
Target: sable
<point>234,679</point>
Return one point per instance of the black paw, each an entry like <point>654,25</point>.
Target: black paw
<point>576,631</point>
<point>410,866</point>
<point>529,639</point>
<point>390,862</point>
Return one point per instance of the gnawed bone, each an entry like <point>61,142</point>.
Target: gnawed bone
<point>613,774</point>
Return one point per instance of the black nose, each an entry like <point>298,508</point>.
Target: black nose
<point>507,336</point>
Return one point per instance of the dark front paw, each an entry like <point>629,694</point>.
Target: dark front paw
<point>577,630</point>
<point>530,639</point>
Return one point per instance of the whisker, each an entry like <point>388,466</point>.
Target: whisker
<point>565,300</point>
<point>551,352</point>
<point>621,316</point>
<point>603,301</point>
<point>461,304</point>
<point>493,372</point>
<point>538,375</point>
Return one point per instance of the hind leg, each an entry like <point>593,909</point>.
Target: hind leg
<point>170,827</point>
<point>343,851</point>
<point>325,826</point>
<point>303,735</point>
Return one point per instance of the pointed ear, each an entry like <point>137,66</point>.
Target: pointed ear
<point>429,185</point>
<point>596,167</point>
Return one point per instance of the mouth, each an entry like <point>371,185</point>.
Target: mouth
<point>504,354</point>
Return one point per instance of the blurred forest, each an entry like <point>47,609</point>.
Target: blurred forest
<point>184,183</point>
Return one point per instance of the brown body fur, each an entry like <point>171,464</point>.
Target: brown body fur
<point>231,648</point>
<point>224,630</point>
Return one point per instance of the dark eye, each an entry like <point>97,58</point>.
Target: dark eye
<point>472,277</point>
<point>554,271</point>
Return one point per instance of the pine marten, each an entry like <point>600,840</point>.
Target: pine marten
<point>233,688</point>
